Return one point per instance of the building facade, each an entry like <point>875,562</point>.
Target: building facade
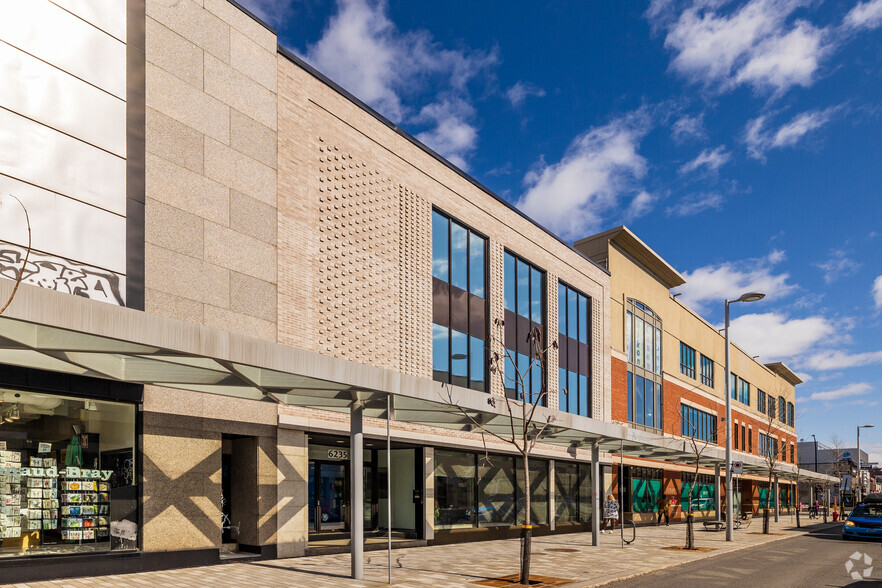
<point>668,375</point>
<point>235,276</point>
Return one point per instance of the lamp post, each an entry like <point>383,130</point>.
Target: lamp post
<point>860,480</point>
<point>746,297</point>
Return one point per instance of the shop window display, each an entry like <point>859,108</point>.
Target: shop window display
<point>67,480</point>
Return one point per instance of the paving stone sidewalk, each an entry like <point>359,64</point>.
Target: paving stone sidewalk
<point>568,556</point>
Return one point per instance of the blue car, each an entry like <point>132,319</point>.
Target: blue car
<point>865,521</point>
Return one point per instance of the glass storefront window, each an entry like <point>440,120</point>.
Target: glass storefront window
<point>566,492</point>
<point>496,492</point>
<point>538,491</point>
<point>585,496</point>
<point>454,489</point>
<point>67,475</point>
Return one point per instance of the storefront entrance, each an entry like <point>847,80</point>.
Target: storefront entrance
<point>330,515</point>
<point>328,496</point>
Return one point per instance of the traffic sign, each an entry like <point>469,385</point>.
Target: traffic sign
<point>737,467</point>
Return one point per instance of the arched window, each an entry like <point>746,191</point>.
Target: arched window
<point>643,344</point>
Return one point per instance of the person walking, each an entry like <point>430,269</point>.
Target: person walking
<point>610,513</point>
<point>664,510</point>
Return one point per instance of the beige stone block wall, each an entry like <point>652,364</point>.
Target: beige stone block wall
<point>292,492</point>
<point>210,220</point>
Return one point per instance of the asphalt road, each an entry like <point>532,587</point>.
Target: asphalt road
<point>816,559</point>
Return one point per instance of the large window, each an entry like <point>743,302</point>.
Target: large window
<point>474,490</point>
<point>707,371</point>
<point>687,360</point>
<point>524,312</point>
<point>643,342</point>
<point>782,410</point>
<point>574,336</point>
<point>703,492</point>
<point>644,489</point>
<point>698,424</point>
<point>768,446</point>
<point>761,401</point>
<point>455,477</point>
<point>771,407</point>
<point>790,414</point>
<point>67,475</point>
<point>459,305</point>
<point>739,389</point>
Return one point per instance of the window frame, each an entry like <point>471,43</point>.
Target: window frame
<point>519,338</point>
<point>637,311</point>
<point>565,340</point>
<point>687,360</point>
<point>707,375</point>
<point>474,383</point>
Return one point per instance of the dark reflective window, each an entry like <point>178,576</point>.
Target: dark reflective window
<point>459,306</point>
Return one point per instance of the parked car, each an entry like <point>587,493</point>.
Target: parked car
<point>705,503</point>
<point>865,521</point>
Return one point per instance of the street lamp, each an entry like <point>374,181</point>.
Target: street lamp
<point>746,297</point>
<point>860,483</point>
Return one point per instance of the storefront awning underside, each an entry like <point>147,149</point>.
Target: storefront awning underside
<point>53,331</point>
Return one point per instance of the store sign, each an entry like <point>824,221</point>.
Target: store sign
<point>338,454</point>
<point>70,472</point>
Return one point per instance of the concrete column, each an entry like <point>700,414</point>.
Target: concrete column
<point>552,499</point>
<point>777,500</point>
<point>356,495</point>
<point>718,491</point>
<point>429,493</point>
<point>596,513</point>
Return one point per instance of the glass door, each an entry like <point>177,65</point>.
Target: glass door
<point>328,496</point>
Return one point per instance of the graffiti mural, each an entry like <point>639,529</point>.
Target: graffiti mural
<point>62,275</point>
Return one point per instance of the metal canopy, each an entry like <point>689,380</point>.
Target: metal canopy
<point>58,332</point>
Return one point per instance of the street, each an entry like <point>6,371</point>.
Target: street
<point>815,559</point>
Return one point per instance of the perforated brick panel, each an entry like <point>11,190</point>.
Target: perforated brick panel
<point>415,242</point>
<point>497,313</point>
<point>553,352</point>
<point>358,254</point>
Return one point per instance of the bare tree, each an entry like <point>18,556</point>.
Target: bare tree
<point>841,466</point>
<point>771,453</point>
<point>20,273</point>
<point>697,447</point>
<point>524,435</point>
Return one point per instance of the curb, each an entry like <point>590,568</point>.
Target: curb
<point>818,527</point>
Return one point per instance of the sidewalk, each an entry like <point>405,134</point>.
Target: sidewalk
<point>561,556</point>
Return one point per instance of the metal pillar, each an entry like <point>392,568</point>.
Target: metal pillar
<point>717,490</point>
<point>596,514</point>
<point>552,499</point>
<point>729,510</point>
<point>356,495</point>
<point>777,500</point>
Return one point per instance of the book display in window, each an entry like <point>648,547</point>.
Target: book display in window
<point>10,495</point>
<point>85,510</point>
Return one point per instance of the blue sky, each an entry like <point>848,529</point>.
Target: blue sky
<point>741,140</point>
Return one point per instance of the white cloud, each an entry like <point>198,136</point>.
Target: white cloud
<point>773,336</point>
<point>641,205</point>
<point>713,160</point>
<point>518,93</point>
<point>696,203</point>
<point>759,139</point>
<point>781,62</point>
<point>452,135</point>
<point>856,389</point>
<point>877,292</point>
<point>574,196</point>
<point>712,284</point>
<point>272,12</point>
<point>865,15</point>
<point>835,360</point>
<point>362,49</point>
<point>756,44</point>
<point>838,265</point>
<point>689,127</point>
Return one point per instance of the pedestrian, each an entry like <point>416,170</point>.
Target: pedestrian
<point>664,510</point>
<point>610,513</point>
